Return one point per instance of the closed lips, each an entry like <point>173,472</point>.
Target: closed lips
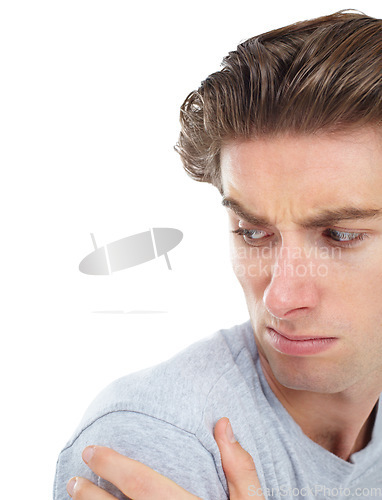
<point>299,338</point>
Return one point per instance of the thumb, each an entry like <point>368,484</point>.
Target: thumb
<point>238,465</point>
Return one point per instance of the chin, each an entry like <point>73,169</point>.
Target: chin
<point>305,377</point>
<point>306,384</point>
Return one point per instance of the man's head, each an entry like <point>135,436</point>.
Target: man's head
<point>290,133</point>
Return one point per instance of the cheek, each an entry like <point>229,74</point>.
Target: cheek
<point>361,293</point>
<point>357,285</point>
<point>251,268</point>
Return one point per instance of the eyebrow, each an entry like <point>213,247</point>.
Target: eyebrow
<point>322,219</point>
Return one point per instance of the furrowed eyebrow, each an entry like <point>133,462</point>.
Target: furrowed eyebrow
<point>329,217</point>
<point>239,210</point>
<point>322,219</point>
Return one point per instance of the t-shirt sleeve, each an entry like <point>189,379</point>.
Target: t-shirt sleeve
<point>170,450</point>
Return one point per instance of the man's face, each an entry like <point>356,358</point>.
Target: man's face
<point>310,259</point>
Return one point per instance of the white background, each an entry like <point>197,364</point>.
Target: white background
<point>89,105</point>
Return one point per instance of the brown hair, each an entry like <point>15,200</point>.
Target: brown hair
<point>320,74</point>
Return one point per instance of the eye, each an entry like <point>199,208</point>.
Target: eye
<point>345,238</point>
<point>251,236</point>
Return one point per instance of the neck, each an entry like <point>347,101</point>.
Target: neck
<point>340,422</point>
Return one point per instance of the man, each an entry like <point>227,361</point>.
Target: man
<point>289,131</point>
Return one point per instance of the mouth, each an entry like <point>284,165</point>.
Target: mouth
<point>299,338</point>
<point>298,345</point>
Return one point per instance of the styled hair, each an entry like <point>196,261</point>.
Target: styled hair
<point>322,74</point>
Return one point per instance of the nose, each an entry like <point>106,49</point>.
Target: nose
<point>293,289</point>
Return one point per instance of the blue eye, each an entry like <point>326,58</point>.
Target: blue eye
<point>251,233</point>
<point>251,236</point>
<point>344,237</point>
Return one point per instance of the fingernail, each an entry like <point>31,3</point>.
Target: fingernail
<point>87,454</point>
<point>71,485</point>
<point>229,433</point>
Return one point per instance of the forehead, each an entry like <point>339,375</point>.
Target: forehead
<point>304,172</point>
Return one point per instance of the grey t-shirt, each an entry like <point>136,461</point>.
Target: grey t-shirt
<point>164,416</point>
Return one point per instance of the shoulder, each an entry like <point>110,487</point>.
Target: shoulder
<point>163,416</point>
<point>175,391</point>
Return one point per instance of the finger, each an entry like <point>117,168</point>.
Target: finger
<point>80,488</point>
<point>134,479</point>
<point>238,465</point>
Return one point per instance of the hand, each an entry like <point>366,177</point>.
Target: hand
<point>139,482</point>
